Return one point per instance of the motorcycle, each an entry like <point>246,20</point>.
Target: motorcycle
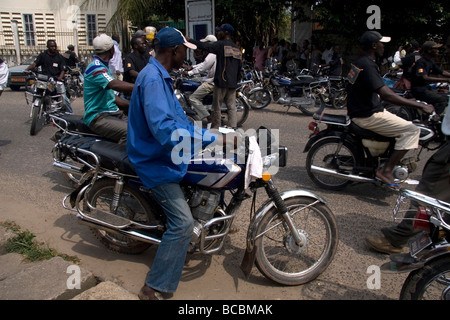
<point>291,238</point>
<point>303,91</point>
<point>44,96</point>
<point>74,82</point>
<point>428,261</point>
<point>185,86</point>
<point>344,153</point>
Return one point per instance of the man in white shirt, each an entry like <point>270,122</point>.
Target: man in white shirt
<point>116,63</point>
<point>207,86</point>
<point>3,75</point>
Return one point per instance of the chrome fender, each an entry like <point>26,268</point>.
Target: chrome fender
<point>268,205</point>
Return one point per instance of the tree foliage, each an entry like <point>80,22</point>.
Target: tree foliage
<point>402,20</point>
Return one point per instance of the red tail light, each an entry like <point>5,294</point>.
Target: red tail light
<point>422,220</point>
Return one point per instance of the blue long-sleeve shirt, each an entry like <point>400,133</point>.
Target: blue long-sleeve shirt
<point>161,140</point>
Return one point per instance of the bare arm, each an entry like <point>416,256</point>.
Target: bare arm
<point>121,86</point>
<point>388,95</point>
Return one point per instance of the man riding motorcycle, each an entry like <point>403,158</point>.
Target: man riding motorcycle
<point>365,89</point>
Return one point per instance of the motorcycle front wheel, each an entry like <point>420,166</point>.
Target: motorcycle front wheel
<point>259,98</point>
<point>132,205</point>
<point>329,157</point>
<point>34,120</point>
<point>278,256</point>
<point>431,282</point>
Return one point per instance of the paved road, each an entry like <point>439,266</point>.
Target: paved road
<point>31,193</point>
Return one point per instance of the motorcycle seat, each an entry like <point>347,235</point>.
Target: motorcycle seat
<point>367,134</point>
<point>302,82</point>
<point>331,118</point>
<point>114,157</point>
<point>75,123</point>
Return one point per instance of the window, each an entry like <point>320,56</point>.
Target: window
<point>91,28</point>
<point>30,39</point>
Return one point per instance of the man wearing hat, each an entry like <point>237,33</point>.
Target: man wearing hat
<point>102,106</point>
<point>227,75</point>
<point>157,125</point>
<point>207,66</point>
<point>426,71</point>
<point>364,107</point>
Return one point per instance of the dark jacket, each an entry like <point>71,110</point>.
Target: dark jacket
<point>229,62</point>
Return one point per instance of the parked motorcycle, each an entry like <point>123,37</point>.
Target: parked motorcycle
<point>343,153</point>
<point>74,82</point>
<point>185,86</point>
<point>45,96</point>
<point>292,237</point>
<point>428,261</point>
<point>303,92</point>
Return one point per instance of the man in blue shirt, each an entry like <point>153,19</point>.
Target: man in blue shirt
<point>157,124</point>
<point>101,105</point>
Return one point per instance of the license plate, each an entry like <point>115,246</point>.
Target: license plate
<point>419,242</point>
<point>17,79</point>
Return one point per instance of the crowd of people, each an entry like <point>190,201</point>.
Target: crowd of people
<point>292,57</point>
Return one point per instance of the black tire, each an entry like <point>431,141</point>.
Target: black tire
<point>34,120</point>
<point>132,205</point>
<point>432,282</point>
<point>323,155</point>
<point>259,98</point>
<point>277,255</point>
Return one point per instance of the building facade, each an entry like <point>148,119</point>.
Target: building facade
<point>75,22</point>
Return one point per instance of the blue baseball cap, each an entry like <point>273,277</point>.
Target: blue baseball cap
<point>226,27</point>
<point>171,37</point>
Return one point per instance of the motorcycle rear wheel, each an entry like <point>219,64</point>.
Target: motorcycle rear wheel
<point>132,206</point>
<point>326,154</point>
<point>432,282</point>
<point>280,259</point>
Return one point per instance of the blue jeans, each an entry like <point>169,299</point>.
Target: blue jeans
<point>167,267</point>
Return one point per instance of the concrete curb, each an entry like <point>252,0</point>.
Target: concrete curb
<point>54,279</point>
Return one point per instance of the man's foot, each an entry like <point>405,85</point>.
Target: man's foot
<point>388,181</point>
<point>381,244</point>
<point>148,293</point>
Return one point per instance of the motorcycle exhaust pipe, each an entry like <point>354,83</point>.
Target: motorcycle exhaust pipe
<point>336,174</point>
<point>129,233</point>
<point>65,167</point>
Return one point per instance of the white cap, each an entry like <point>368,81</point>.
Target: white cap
<point>102,43</point>
<point>209,38</point>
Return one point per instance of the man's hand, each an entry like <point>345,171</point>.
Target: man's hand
<point>428,108</point>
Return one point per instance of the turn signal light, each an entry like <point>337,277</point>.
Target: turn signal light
<point>266,176</point>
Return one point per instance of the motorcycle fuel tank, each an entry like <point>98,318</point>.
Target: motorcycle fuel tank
<point>216,173</point>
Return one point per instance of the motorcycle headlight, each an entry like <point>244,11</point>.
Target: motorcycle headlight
<point>41,85</point>
<point>51,87</point>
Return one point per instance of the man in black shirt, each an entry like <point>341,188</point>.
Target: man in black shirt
<point>365,89</point>
<point>51,61</point>
<point>426,71</point>
<point>52,64</point>
<point>136,60</point>
<point>70,56</point>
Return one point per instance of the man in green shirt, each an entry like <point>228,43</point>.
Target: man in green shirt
<point>102,106</point>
